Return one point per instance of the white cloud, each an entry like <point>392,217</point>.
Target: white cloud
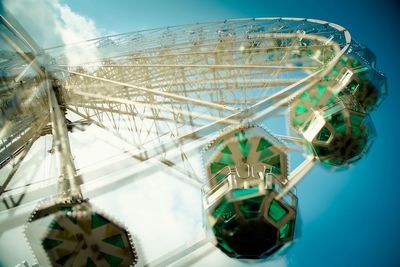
<point>74,27</point>
<point>51,23</point>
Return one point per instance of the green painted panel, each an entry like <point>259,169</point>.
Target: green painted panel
<point>356,63</point>
<point>338,122</point>
<point>335,70</point>
<point>356,119</point>
<point>352,86</point>
<point>297,122</point>
<point>275,162</point>
<point>225,246</point>
<point>305,96</point>
<point>321,89</point>
<point>115,240</point>
<point>285,230</point>
<point>226,150</point>
<point>276,211</point>
<point>220,177</point>
<point>62,261</point>
<point>263,144</point>
<point>244,146</point>
<point>244,192</point>
<point>343,61</point>
<point>66,209</point>
<point>49,244</point>
<point>226,157</point>
<point>54,225</point>
<point>300,109</point>
<point>217,166</point>
<point>225,209</point>
<point>321,151</point>
<point>90,263</point>
<point>98,220</point>
<point>324,135</point>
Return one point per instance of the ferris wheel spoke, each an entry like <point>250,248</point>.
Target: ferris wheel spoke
<point>16,29</point>
<point>16,165</point>
<point>153,105</point>
<point>186,170</point>
<point>100,122</point>
<point>296,175</point>
<point>186,252</point>
<point>147,90</point>
<point>29,59</point>
<point>205,130</point>
<point>183,139</point>
<point>294,143</point>
<point>11,147</point>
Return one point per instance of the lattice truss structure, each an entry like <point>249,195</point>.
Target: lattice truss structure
<point>239,110</point>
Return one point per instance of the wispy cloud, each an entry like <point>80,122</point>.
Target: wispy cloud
<point>52,23</point>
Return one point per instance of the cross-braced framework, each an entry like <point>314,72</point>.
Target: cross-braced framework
<point>166,93</point>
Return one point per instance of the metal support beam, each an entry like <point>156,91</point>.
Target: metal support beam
<point>68,181</point>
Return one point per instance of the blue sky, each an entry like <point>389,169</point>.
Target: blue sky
<point>350,218</point>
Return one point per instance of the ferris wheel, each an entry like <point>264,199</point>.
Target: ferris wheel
<point>193,137</point>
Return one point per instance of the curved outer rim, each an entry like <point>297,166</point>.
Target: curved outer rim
<point>317,21</point>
